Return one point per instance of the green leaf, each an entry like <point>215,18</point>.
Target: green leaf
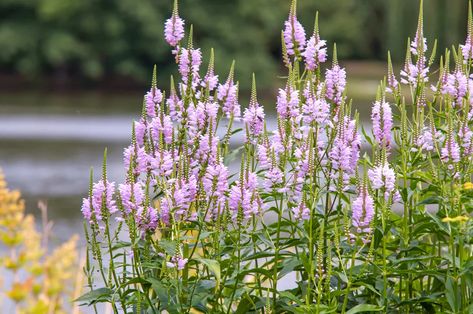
<point>453,294</point>
<point>168,246</point>
<point>213,266</point>
<point>160,290</point>
<point>365,308</point>
<point>95,296</point>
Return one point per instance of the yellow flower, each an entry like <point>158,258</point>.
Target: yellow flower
<point>20,290</point>
<point>468,186</point>
<point>51,275</point>
<point>456,219</point>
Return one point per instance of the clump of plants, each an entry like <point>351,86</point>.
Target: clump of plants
<point>35,279</point>
<point>315,212</point>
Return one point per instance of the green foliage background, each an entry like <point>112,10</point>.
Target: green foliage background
<point>97,39</point>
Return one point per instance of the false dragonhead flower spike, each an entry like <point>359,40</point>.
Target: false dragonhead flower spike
<point>153,97</point>
<point>210,80</point>
<point>294,33</point>
<point>335,81</point>
<point>100,202</point>
<point>174,28</point>
<point>363,209</point>
<point>383,177</point>
<point>450,152</point>
<point>190,60</point>
<point>228,94</point>
<point>382,119</point>
<point>467,48</point>
<point>419,44</point>
<point>254,116</point>
<point>175,104</point>
<point>316,50</point>
<point>287,104</point>
<point>393,84</point>
<point>131,195</point>
<point>456,86</point>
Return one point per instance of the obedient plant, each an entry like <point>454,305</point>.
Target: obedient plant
<point>322,214</point>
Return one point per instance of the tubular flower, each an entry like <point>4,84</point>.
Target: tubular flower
<point>426,140</point>
<point>383,177</point>
<point>294,35</point>
<point>176,107</point>
<point>315,53</point>
<point>147,219</point>
<point>451,151</point>
<point>162,127</point>
<point>254,119</point>
<point>273,178</point>
<point>140,131</point>
<point>132,196</point>
<point>244,196</point>
<point>228,94</point>
<point>354,141</point>
<point>316,110</point>
<point>338,155</point>
<point>466,136</point>
<point>335,82</point>
<point>189,64</point>
<point>174,29</point>
<point>288,103</point>
<point>345,152</point>
<point>101,200</point>
<point>381,117</point>
<point>215,180</point>
<point>413,73</point>
<point>419,44</point>
<point>207,151</point>
<point>162,164</point>
<point>456,86</point>
<point>363,211</point>
<point>137,158</point>
<point>178,198</point>
<point>416,73</point>
<point>301,212</point>
<point>467,48</point>
<point>153,101</point>
<point>210,80</point>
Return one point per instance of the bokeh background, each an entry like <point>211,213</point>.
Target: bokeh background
<point>72,73</point>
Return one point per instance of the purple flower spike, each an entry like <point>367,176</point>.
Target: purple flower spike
<point>244,196</point>
<point>174,28</point>
<point>383,177</point>
<point>456,86</point>
<point>288,103</point>
<point>316,50</point>
<point>335,80</point>
<point>254,116</point>
<point>363,211</point>
<point>451,151</point>
<point>102,196</point>
<point>132,196</point>
<point>381,116</point>
<point>301,212</point>
<point>189,64</point>
<point>153,101</point>
<point>315,53</point>
<point>294,33</point>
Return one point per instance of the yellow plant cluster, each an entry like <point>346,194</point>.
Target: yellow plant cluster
<point>41,282</point>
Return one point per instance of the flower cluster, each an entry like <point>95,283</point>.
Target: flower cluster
<point>311,196</point>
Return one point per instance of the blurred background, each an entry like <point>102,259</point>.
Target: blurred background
<point>72,73</point>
